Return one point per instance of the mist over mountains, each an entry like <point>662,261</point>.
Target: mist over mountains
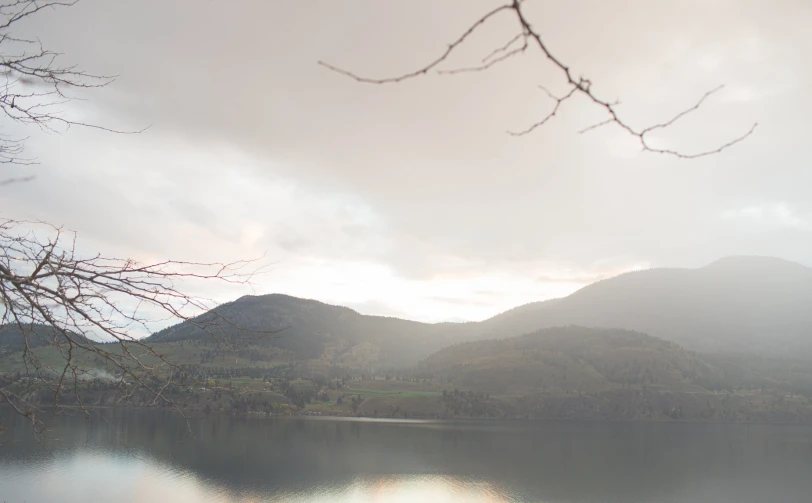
<point>752,305</point>
<point>737,305</point>
<point>728,341</point>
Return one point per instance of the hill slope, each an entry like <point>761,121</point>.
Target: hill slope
<point>745,305</point>
<point>571,358</point>
<point>36,335</point>
<point>750,305</point>
<point>312,330</point>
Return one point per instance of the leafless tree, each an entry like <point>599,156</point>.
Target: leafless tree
<point>526,38</point>
<point>54,298</point>
<point>57,304</point>
<point>34,84</point>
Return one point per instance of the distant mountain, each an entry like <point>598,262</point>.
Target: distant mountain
<point>38,335</point>
<point>754,305</point>
<point>310,329</point>
<point>571,358</point>
<point>737,305</point>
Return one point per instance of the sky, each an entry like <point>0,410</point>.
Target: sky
<point>411,199</point>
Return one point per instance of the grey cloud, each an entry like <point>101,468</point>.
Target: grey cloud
<point>420,177</point>
<point>294,243</point>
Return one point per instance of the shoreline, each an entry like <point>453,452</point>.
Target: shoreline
<point>195,413</point>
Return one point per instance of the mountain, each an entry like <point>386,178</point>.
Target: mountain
<point>37,335</point>
<point>571,358</point>
<point>309,329</point>
<point>753,305</point>
<point>577,372</point>
<point>745,305</point>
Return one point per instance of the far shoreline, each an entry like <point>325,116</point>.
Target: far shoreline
<point>197,414</point>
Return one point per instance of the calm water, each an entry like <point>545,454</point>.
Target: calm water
<point>148,457</point>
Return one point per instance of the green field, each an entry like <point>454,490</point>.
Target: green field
<point>559,376</point>
<point>407,393</point>
<point>179,353</point>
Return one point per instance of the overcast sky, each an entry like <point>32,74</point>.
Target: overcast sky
<point>410,199</point>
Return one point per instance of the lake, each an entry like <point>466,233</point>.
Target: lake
<point>147,456</point>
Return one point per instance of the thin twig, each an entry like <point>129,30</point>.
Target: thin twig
<point>577,86</point>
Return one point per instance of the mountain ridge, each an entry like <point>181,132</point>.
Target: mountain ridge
<point>750,304</point>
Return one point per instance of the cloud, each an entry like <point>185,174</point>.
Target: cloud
<point>395,197</point>
<point>770,215</point>
<point>570,280</point>
<point>459,302</point>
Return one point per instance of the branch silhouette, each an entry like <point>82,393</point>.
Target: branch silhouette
<point>526,37</point>
<point>57,302</point>
<point>86,309</point>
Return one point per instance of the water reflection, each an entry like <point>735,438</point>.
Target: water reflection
<point>144,456</point>
<point>85,475</point>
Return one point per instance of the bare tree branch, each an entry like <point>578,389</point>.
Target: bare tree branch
<point>33,82</point>
<point>549,116</point>
<point>70,304</point>
<point>69,315</point>
<point>430,66</point>
<point>577,85</point>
